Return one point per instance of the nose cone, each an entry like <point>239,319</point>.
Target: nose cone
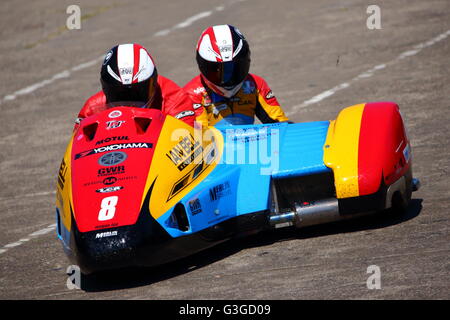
<point>111,155</point>
<point>142,244</point>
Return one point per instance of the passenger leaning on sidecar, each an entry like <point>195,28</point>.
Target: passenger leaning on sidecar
<point>224,87</point>
<point>129,77</point>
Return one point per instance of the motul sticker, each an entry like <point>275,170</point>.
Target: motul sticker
<point>110,139</point>
<point>114,147</point>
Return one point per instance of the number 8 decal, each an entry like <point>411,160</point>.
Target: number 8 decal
<point>108,208</point>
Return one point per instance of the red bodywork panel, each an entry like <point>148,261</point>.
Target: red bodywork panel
<point>107,154</point>
<point>384,151</point>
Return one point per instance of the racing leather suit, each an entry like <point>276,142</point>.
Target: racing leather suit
<point>254,98</point>
<point>169,98</point>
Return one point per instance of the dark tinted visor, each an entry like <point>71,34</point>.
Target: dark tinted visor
<point>225,74</point>
<point>139,93</point>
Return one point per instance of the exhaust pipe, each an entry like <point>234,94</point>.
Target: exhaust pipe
<point>319,212</point>
<point>307,214</point>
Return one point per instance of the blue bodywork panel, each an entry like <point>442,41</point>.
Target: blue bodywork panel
<point>252,156</point>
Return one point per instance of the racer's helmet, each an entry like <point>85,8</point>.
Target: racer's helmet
<point>223,57</point>
<point>128,76</point>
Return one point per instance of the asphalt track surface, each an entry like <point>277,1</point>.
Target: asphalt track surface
<point>318,57</point>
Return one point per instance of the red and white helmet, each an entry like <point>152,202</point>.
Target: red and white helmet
<point>223,57</point>
<point>128,75</point>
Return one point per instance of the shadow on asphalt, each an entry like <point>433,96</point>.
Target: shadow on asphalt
<point>137,277</point>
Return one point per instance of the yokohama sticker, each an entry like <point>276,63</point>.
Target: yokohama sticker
<point>113,147</point>
<point>112,158</point>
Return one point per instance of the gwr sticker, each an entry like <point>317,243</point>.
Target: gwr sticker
<point>111,171</point>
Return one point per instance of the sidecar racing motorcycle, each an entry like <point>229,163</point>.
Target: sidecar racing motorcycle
<point>138,188</point>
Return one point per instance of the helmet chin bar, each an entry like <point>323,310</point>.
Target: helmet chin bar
<point>227,93</point>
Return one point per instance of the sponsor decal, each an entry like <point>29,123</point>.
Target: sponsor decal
<point>199,90</point>
<point>196,106</point>
<point>109,180</point>
<point>115,114</point>
<point>270,95</point>
<point>109,189</point>
<point>62,174</point>
<point>126,71</point>
<point>109,139</point>
<point>195,206</point>
<point>113,147</point>
<point>248,87</point>
<point>226,48</point>
<point>220,107</point>
<point>109,225</point>
<point>111,171</point>
<point>113,124</point>
<point>107,57</point>
<point>184,152</point>
<point>112,158</point>
<point>184,114</point>
<point>207,101</point>
<point>220,191</point>
<point>106,234</point>
<point>251,135</point>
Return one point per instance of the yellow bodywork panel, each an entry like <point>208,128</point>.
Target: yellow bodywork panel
<point>182,159</point>
<point>64,188</point>
<point>341,150</point>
